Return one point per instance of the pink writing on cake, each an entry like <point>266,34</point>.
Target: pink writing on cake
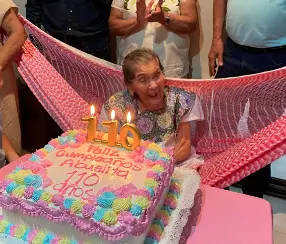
<point>72,189</point>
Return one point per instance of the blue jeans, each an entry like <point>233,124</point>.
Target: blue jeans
<point>239,60</point>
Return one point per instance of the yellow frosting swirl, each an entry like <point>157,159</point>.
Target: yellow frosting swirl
<point>19,191</point>
<point>44,151</point>
<point>121,204</point>
<point>77,206</point>
<point>20,176</point>
<point>164,155</point>
<point>157,229</point>
<point>158,168</point>
<point>155,147</point>
<point>10,177</point>
<point>3,225</point>
<point>149,182</point>
<point>110,218</point>
<point>47,197</point>
<point>72,133</point>
<point>20,231</point>
<point>64,241</point>
<point>141,201</point>
<point>39,238</point>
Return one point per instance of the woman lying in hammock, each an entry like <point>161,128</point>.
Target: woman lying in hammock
<point>162,113</point>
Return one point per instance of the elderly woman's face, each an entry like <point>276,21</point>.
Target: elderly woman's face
<point>148,84</point>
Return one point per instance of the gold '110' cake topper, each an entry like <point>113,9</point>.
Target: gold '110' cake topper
<point>93,135</point>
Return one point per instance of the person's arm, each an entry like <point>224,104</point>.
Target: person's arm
<point>16,38</point>
<point>113,49</point>
<point>185,23</point>
<point>34,11</point>
<point>183,142</point>
<point>217,48</point>
<point>121,27</point>
<point>10,153</point>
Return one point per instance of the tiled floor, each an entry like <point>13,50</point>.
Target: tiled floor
<point>279,217</point>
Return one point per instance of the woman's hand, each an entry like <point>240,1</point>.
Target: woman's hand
<point>141,12</point>
<point>216,53</point>
<point>182,150</point>
<point>157,15</point>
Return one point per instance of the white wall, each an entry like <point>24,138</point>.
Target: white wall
<point>21,6</point>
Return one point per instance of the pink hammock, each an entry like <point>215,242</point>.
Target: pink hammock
<point>245,118</point>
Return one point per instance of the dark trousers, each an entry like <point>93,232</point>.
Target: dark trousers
<point>94,46</point>
<point>240,60</point>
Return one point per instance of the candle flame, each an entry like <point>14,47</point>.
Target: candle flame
<point>128,117</point>
<point>92,110</point>
<point>112,114</point>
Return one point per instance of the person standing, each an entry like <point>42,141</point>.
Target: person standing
<point>11,27</point>
<point>256,43</point>
<point>162,26</point>
<point>82,24</point>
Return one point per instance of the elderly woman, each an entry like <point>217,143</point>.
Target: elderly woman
<point>162,114</point>
<point>163,26</point>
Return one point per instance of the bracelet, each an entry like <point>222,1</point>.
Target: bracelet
<point>167,20</point>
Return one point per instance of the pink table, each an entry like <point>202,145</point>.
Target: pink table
<point>219,217</point>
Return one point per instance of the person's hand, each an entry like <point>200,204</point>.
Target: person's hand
<point>182,150</point>
<point>141,11</point>
<point>215,55</point>
<point>157,15</point>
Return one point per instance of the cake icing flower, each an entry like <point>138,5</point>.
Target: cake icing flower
<point>152,155</point>
<point>106,199</point>
<point>110,218</point>
<point>121,204</point>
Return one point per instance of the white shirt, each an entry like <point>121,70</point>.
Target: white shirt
<point>172,49</point>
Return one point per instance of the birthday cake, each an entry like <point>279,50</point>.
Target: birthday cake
<point>109,194</point>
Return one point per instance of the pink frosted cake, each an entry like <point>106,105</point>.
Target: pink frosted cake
<point>108,194</point>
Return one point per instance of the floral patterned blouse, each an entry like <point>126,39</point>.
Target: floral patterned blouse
<point>160,125</point>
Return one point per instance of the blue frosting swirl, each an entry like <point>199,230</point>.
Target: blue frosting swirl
<point>151,191</point>
<point>63,140</point>
<point>159,222</point>
<point>16,170</point>
<point>68,203</point>
<point>33,180</point>
<point>8,229</point>
<point>37,195</point>
<point>152,155</point>
<point>25,236</point>
<point>71,139</point>
<point>11,187</point>
<point>99,213</point>
<point>106,199</point>
<point>168,209</point>
<point>49,237</point>
<point>136,210</point>
<point>164,159</point>
<point>35,158</point>
<point>150,240</point>
<point>49,148</point>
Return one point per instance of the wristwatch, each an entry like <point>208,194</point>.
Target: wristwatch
<point>167,20</point>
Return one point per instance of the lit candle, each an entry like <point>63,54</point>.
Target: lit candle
<point>91,128</point>
<point>112,129</point>
<point>132,129</point>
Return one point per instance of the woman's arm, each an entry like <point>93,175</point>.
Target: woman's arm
<point>185,23</point>
<point>16,38</point>
<point>217,47</point>
<point>11,155</point>
<point>183,142</point>
<point>121,27</point>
